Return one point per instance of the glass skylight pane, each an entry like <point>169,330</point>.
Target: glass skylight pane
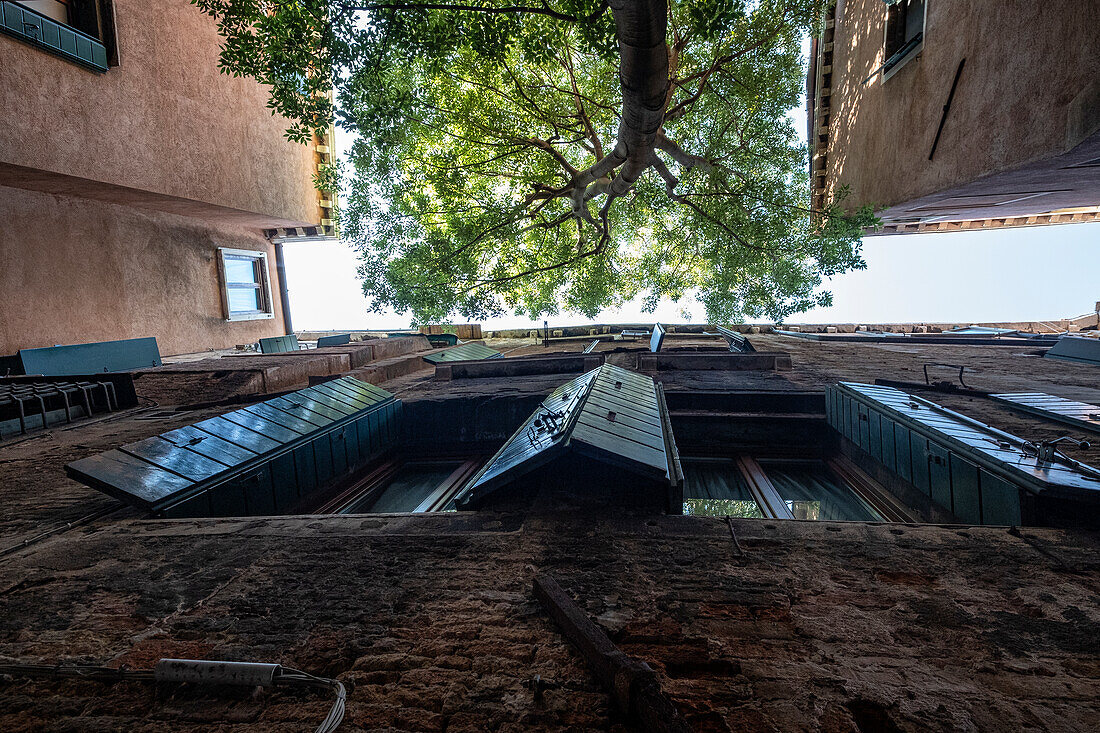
<point>812,491</point>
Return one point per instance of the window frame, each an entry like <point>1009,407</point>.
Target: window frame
<point>911,54</point>
<point>773,506</point>
<point>263,287</point>
<point>96,52</point>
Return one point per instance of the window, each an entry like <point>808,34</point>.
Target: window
<point>904,33</point>
<point>399,485</point>
<point>777,489</point>
<point>717,488</point>
<point>78,30</point>
<point>246,292</point>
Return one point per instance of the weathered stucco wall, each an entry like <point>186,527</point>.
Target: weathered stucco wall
<point>164,120</point>
<point>1030,90</point>
<point>75,271</point>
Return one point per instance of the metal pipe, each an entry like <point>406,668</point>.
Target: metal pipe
<point>284,296</point>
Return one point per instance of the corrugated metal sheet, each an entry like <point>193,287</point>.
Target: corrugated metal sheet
<point>261,459</point>
<point>1076,348</point>
<point>279,344</point>
<point>97,357</point>
<point>464,352</point>
<point>967,467</point>
<point>1081,415</point>
<point>609,414</point>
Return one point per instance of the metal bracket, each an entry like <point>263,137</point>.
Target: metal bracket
<point>960,367</point>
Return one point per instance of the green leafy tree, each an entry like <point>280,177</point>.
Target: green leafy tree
<point>563,154</point>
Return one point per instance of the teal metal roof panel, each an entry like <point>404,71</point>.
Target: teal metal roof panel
<point>1000,452</point>
<point>243,449</point>
<point>609,414</point>
<point>100,356</point>
<point>1081,415</point>
<point>1076,348</point>
<point>463,352</point>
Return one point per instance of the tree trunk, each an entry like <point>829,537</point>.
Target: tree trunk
<point>640,27</point>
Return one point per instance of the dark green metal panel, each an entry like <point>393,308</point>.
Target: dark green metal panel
<point>366,440</point>
<point>338,439</point>
<point>305,468</point>
<point>257,460</point>
<point>295,409</point>
<point>312,409</point>
<point>211,446</point>
<point>1076,348</point>
<point>180,461</point>
<point>1000,500</point>
<point>101,356</point>
<point>939,475</point>
<point>1080,415</point>
<point>258,491</point>
<point>465,352</point>
<point>863,430</point>
<point>196,506</point>
<point>847,406</point>
<point>263,426</point>
<point>919,457</point>
<point>902,449</point>
<point>874,435</point>
<point>227,500</point>
<point>609,415</point>
<point>337,340</point>
<point>322,454</point>
<point>231,432</point>
<point>965,491</point>
<point>281,417</point>
<point>128,478</point>
<point>284,483</point>
<point>279,344</point>
<point>441,339</point>
<point>886,437</point>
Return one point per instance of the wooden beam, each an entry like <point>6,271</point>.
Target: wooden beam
<point>633,685</point>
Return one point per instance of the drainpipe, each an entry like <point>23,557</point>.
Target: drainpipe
<point>284,297</point>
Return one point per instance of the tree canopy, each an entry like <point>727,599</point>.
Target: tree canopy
<point>563,154</point>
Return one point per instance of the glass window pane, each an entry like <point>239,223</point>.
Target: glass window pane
<point>244,300</point>
<point>240,270</point>
<point>717,488</point>
<point>812,491</point>
<point>410,485</point>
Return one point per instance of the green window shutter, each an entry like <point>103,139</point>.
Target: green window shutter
<point>49,35</point>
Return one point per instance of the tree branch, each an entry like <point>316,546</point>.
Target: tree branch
<point>464,8</point>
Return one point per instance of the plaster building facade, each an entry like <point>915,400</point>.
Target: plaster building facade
<point>953,114</point>
<point>864,601</point>
<point>135,179</point>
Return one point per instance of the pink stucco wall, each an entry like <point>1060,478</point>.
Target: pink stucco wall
<point>1030,90</point>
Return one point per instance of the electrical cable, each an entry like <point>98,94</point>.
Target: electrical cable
<point>198,671</point>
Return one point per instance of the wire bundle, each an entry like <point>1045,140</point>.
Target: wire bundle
<point>284,676</point>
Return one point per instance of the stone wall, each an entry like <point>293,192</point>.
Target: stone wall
<point>431,622</point>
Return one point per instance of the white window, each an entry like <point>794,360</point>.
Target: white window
<point>246,288</point>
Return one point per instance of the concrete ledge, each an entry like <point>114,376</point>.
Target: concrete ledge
<point>520,366</point>
<point>394,367</point>
<point>259,374</point>
<point>388,348</point>
<point>724,361</point>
